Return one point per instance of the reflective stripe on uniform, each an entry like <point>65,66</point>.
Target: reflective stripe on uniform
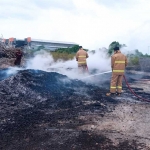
<point>113,87</point>
<point>81,62</point>
<point>118,70</point>
<point>82,56</point>
<point>120,62</point>
<point>119,87</point>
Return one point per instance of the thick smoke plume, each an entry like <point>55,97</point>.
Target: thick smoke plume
<point>98,62</point>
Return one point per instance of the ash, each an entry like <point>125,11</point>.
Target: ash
<point>48,111</point>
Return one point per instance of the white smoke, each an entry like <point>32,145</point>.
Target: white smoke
<point>99,60</point>
<point>12,71</point>
<point>43,60</point>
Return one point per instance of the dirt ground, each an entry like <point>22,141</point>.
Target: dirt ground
<point>48,111</point>
<point>129,121</point>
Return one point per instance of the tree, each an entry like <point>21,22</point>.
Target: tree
<point>71,50</point>
<point>113,45</point>
<point>137,53</point>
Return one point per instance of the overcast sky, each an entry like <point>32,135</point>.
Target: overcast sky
<point>90,23</point>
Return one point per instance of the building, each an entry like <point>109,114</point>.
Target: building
<point>38,44</point>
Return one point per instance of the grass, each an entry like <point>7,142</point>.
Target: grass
<point>63,56</point>
<point>134,60</point>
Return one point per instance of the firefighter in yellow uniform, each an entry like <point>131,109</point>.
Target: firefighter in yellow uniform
<point>81,57</point>
<point>118,64</point>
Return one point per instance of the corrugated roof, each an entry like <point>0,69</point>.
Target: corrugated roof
<point>50,41</point>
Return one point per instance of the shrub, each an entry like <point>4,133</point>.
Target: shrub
<point>134,60</point>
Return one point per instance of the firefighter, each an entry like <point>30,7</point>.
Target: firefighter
<point>118,65</point>
<point>81,57</point>
<point>18,55</point>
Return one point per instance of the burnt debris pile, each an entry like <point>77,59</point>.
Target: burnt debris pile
<point>41,110</point>
<point>39,85</point>
<point>7,52</point>
<point>7,56</point>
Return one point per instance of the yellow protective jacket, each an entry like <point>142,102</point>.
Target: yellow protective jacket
<point>81,56</point>
<point>118,63</point>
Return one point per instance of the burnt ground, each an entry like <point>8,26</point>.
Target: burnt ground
<point>48,111</point>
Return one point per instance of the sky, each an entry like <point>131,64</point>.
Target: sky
<point>91,23</point>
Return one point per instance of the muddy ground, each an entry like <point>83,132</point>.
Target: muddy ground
<point>49,111</point>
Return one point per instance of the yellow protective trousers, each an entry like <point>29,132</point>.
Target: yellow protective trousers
<point>116,83</point>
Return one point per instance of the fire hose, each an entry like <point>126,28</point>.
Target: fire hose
<point>139,97</point>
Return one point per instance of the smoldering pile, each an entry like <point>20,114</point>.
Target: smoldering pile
<point>7,52</point>
<point>41,110</point>
<point>7,56</point>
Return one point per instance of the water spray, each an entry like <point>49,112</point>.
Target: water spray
<point>97,74</point>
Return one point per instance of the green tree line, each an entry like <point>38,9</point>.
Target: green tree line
<point>133,58</point>
<point>69,53</point>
